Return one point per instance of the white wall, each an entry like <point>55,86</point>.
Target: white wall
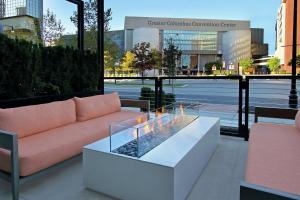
<point>150,35</point>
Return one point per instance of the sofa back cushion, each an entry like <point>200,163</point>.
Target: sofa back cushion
<point>29,120</point>
<point>297,120</point>
<point>97,106</point>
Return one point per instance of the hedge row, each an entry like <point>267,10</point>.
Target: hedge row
<point>29,70</point>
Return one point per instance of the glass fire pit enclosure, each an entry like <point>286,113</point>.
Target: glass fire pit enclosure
<point>136,137</point>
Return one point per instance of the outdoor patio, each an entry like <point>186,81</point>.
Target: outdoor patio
<point>202,127</point>
<point>220,179</point>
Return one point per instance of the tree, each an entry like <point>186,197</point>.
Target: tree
<point>143,58</point>
<point>157,58</point>
<point>246,63</point>
<point>111,56</point>
<point>53,29</point>
<point>297,61</point>
<point>274,64</point>
<point>127,61</point>
<point>172,54</point>
<point>209,66</point>
<point>90,23</point>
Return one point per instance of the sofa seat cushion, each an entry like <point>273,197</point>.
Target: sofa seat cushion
<point>274,157</point>
<point>297,120</point>
<point>40,151</point>
<point>29,120</point>
<point>96,106</point>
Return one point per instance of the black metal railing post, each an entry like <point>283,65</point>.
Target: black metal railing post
<point>241,105</point>
<point>293,98</point>
<point>247,104</point>
<point>158,92</point>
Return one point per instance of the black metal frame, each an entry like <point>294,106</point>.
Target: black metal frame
<point>252,192</point>
<point>80,11</point>
<point>247,95</point>
<point>100,45</point>
<point>279,113</point>
<point>9,141</point>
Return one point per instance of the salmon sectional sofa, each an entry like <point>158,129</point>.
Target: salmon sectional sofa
<point>273,163</point>
<point>33,138</point>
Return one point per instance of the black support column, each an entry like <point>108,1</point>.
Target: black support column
<point>81,25</point>
<point>80,19</point>
<point>100,44</point>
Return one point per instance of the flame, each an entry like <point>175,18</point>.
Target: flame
<point>159,123</point>
<point>152,127</point>
<point>139,120</point>
<point>181,109</point>
<point>157,113</point>
<point>147,129</point>
<point>160,111</point>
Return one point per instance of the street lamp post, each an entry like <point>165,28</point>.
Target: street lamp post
<point>293,98</point>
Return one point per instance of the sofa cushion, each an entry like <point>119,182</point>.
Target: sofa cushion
<point>40,151</point>
<point>97,106</point>
<point>29,120</point>
<point>297,120</point>
<point>274,157</point>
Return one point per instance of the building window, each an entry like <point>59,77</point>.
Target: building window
<point>192,40</point>
<point>12,8</point>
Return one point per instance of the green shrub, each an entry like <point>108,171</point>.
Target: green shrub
<point>282,71</point>
<point>168,100</point>
<point>28,70</point>
<point>217,72</point>
<point>209,66</point>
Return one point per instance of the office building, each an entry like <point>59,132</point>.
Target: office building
<point>280,29</point>
<point>23,16</point>
<point>2,8</point>
<point>284,33</point>
<point>15,8</point>
<point>201,40</point>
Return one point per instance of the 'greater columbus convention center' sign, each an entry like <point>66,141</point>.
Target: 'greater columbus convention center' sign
<point>186,24</point>
<point>191,24</point>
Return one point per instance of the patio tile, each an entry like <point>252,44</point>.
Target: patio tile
<point>220,179</point>
<point>4,187</point>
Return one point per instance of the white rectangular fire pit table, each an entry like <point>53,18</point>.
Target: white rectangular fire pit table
<point>167,172</point>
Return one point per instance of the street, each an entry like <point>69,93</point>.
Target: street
<point>217,98</point>
<point>262,92</point>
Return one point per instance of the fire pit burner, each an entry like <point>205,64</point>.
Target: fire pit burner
<point>144,137</point>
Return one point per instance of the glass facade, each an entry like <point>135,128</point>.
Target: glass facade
<point>192,40</point>
<point>34,8</point>
<point>12,8</point>
<point>2,9</point>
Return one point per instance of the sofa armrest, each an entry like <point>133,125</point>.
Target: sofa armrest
<point>9,141</point>
<point>142,104</point>
<point>251,191</point>
<point>279,113</point>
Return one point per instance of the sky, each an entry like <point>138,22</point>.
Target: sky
<point>261,13</point>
